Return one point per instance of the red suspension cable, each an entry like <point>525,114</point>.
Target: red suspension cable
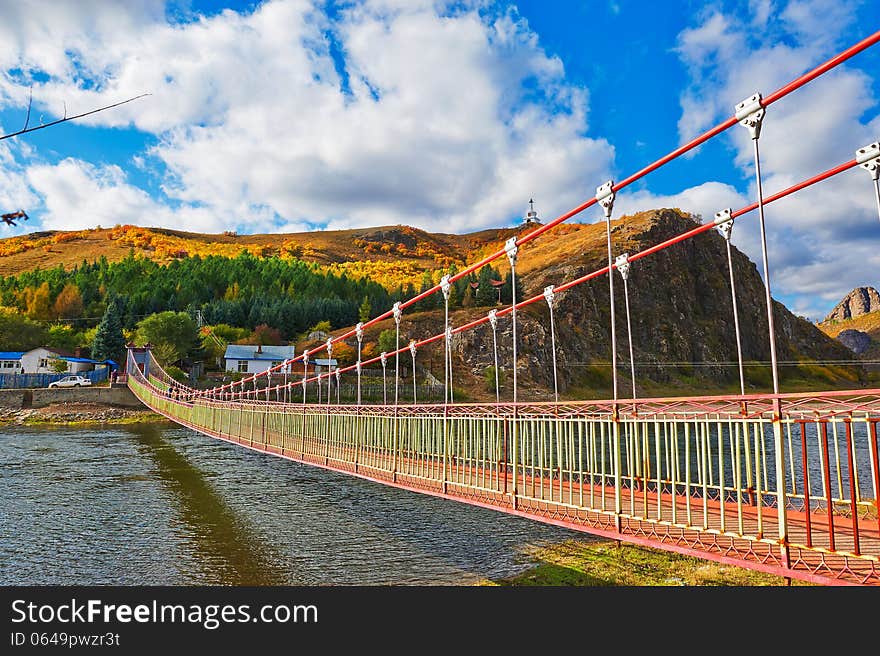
<point>602,271</point>
<point>534,234</point>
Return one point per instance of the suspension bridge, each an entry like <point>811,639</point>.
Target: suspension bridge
<point>778,482</point>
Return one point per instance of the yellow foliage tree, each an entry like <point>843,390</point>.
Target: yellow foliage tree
<point>38,303</point>
<point>69,303</point>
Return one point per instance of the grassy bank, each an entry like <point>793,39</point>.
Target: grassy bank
<point>77,414</point>
<point>58,421</point>
<point>603,563</point>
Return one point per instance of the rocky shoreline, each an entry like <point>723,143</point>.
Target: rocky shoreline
<point>67,414</point>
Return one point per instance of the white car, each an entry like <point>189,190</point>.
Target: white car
<point>71,381</point>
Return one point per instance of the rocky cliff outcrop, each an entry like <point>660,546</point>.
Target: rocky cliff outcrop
<point>680,303</point>
<point>859,301</point>
<point>855,340</point>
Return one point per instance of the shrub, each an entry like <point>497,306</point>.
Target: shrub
<point>176,373</point>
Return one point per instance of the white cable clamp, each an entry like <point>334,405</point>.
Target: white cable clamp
<point>869,159</point>
<point>511,249</point>
<point>724,222</point>
<point>412,347</point>
<point>493,319</point>
<point>305,361</point>
<point>358,367</point>
<point>448,333</point>
<point>383,358</point>
<point>549,295</point>
<point>397,312</point>
<point>750,114</point>
<point>445,286</point>
<point>329,349</point>
<point>622,264</point>
<point>359,332</point>
<point>605,197</point>
<point>338,374</point>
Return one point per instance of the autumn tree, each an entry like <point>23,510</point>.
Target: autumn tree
<point>38,302</point>
<point>68,303</point>
<point>265,335</point>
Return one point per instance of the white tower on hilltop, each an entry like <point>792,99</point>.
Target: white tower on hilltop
<point>532,215</point>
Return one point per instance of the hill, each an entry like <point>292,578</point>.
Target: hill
<point>683,332</point>
<point>391,255</point>
<point>861,331</point>
<point>861,300</point>
<point>682,321</point>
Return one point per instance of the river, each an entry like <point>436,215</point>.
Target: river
<point>156,504</point>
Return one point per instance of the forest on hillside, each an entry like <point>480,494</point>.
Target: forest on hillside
<point>282,297</point>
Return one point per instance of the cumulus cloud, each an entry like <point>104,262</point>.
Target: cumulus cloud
<point>441,114</point>
<point>81,195</point>
<point>703,200</point>
<point>14,190</point>
<point>427,113</point>
<point>822,241</point>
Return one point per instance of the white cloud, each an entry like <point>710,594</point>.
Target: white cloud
<point>393,112</point>
<point>703,200</point>
<point>82,195</point>
<point>14,191</point>
<point>822,241</point>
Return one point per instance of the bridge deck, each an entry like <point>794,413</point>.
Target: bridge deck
<point>665,491</point>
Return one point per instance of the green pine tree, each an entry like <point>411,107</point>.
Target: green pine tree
<point>485,291</point>
<point>109,343</point>
<point>365,310</point>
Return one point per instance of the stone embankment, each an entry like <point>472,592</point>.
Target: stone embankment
<point>72,406</point>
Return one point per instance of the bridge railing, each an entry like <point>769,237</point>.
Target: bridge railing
<point>699,474</point>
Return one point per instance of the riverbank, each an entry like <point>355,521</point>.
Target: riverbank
<point>75,414</point>
<point>604,563</point>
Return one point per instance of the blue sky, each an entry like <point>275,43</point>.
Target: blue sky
<point>293,115</point>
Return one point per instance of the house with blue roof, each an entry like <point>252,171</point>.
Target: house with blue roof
<point>10,362</point>
<point>44,360</point>
<point>255,359</point>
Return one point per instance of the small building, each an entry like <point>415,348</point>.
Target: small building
<point>10,362</point>
<point>255,358</point>
<point>44,360</point>
<point>320,365</point>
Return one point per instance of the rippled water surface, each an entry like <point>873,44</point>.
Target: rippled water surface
<point>158,504</point>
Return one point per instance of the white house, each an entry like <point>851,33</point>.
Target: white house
<point>41,360</point>
<point>10,362</point>
<point>255,359</point>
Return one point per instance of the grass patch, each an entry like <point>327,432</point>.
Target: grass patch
<point>38,420</point>
<point>603,563</point>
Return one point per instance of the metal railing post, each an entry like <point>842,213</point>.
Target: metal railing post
<point>512,250</point>
<point>445,288</point>
<point>605,197</point>
<point>359,333</point>
<point>412,350</point>
<point>725,226</point>
<point>623,266</point>
<point>396,443</point>
<point>750,113</point>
